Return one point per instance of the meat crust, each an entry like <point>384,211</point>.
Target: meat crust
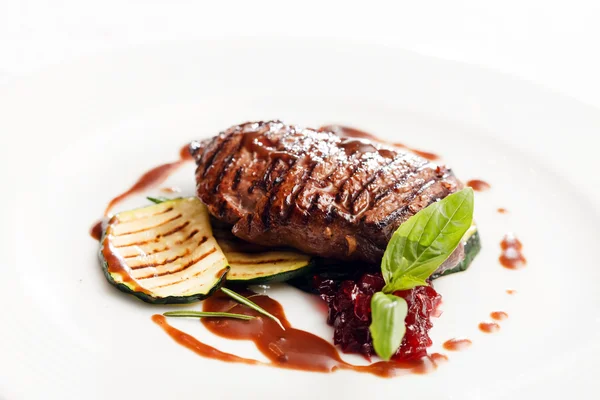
<point>335,197</point>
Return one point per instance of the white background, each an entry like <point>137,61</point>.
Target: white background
<point>551,42</point>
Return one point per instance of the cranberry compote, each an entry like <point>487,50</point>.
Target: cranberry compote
<point>349,305</point>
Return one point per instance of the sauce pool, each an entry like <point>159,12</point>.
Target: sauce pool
<point>290,348</point>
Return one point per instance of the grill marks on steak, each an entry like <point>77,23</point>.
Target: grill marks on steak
<point>281,185</point>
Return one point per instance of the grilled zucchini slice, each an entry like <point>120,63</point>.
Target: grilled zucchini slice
<point>165,253</point>
<point>254,264</point>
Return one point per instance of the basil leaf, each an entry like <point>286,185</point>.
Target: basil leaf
<point>387,327</point>
<point>422,243</point>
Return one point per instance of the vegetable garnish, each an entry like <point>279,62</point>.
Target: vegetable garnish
<point>387,328</point>
<point>417,248</point>
<point>207,314</point>
<point>251,304</point>
<point>422,243</point>
<point>157,200</point>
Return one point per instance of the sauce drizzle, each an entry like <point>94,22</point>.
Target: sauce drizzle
<point>511,256</point>
<point>348,132</point>
<point>290,348</point>
<point>195,345</point>
<point>151,178</point>
<point>478,185</point>
<point>457,344</point>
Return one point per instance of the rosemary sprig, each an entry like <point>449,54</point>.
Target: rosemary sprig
<point>251,304</point>
<point>157,200</point>
<point>207,314</point>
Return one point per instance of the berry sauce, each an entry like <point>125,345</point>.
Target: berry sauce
<point>349,304</point>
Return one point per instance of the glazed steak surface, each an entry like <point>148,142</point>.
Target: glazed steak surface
<point>336,197</point>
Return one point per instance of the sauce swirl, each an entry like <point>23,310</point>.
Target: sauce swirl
<point>151,178</point>
<point>348,132</point>
<point>290,348</point>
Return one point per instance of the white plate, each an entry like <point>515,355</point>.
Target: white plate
<point>81,133</point>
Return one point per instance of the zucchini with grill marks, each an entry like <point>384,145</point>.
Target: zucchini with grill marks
<point>253,264</point>
<point>165,253</point>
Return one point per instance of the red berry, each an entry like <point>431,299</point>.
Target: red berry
<point>350,314</point>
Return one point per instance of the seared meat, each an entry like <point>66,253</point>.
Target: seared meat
<point>282,185</point>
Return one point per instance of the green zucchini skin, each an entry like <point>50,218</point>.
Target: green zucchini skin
<point>339,270</point>
<point>158,300</point>
<point>163,300</point>
<point>472,248</point>
<point>277,278</point>
<point>195,216</point>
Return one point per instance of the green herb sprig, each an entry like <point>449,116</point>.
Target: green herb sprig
<point>158,200</point>
<point>238,297</point>
<point>207,314</point>
<point>417,248</point>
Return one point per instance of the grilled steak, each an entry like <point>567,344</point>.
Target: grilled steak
<point>343,198</point>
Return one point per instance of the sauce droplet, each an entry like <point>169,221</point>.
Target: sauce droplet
<point>511,291</point>
<point>96,230</point>
<point>457,344</point>
<point>499,315</point>
<point>478,185</point>
<point>489,327</point>
<point>511,256</point>
<point>171,189</point>
<point>502,210</point>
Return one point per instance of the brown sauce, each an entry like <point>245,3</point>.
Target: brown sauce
<point>457,344</point>
<point>512,257</point>
<point>290,348</point>
<point>478,185</point>
<point>348,132</point>
<point>151,178</point>
<point>502,210</point>
<point>499,315</point>
<point>511,291</point>
<point>196,346</point>
<point>96,230</point>
<point>116,266</point>
<point>171,189</point>
<point>489,327</point>
<point>184,153</point>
